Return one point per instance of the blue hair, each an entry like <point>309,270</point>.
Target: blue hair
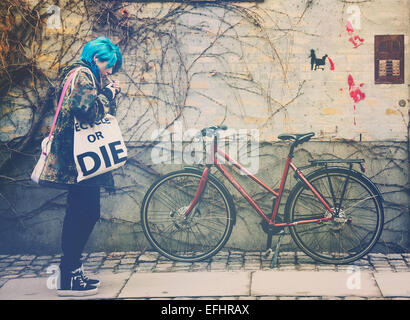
<point>104,50</point>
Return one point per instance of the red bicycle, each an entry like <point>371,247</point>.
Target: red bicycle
<point>334,214</point>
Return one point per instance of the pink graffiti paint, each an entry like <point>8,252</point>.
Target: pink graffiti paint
<point>332,65</point>
<point>356,44</point>
<point>355,93</point>
<point>355,39</point>
<point>350,81</point>
<point>349,27</point>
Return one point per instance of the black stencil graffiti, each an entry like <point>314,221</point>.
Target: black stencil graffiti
<point>315,62</point>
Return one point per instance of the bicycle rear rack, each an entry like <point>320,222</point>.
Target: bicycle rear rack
<point>325,162</point>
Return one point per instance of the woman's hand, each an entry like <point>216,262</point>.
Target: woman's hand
<point>114,88</point>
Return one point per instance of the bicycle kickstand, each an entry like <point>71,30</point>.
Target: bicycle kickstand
<point>274,260</point>
<point>268,246</point>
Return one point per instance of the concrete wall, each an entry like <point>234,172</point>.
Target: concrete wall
<point>119,228</point>
<point>245,65</point>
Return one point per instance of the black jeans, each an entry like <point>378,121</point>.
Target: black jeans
<point>83,211</point>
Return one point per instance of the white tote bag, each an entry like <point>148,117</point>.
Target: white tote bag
<point>98,148</point>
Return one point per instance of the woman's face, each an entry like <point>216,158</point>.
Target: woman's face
<point>102,65</point>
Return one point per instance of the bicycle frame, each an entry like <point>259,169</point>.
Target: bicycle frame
<point>213,156</point>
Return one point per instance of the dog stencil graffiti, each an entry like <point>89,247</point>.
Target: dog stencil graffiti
<point>317,63</point>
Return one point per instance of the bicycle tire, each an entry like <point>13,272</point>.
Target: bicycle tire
<point>162,234</point>
<point>356,229</point>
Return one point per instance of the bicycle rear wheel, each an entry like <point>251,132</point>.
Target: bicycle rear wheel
<point>358,223</point>
<point>203,233</point>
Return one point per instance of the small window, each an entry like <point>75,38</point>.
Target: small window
<point>396,46</point>
<point>389,59</point>
<point>384,46</point>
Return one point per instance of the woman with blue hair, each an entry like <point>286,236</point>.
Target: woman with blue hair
<point>89,101</point>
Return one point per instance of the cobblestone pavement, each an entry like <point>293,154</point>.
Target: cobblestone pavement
<point>34,266</point>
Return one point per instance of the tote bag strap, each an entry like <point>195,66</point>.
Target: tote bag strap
<point>60,102</point>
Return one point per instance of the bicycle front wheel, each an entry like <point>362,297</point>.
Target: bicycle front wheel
<point>191,239</point>
<point>357,225</point>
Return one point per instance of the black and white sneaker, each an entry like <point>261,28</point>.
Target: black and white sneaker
<point>73,285</point>
<point>91,282</point>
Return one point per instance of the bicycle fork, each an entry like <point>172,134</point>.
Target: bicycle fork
<point>198,193</point>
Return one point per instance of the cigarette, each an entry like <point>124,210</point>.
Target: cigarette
<point>118,90</point>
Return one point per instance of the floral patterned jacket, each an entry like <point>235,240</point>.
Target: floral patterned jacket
<point>84,100</point>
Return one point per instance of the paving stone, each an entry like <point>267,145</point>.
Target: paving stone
<point>393,284</point>
<point>97,254</point>
<point>287,268</point>
<point>15,256</point>
<point>163,267</point>
<point>286,298</point>
<point>128,261</point>
<point>11,276</point>
<point>115,255</point>
<point>123,267</point>
<point>148,257</point>
<point>22,263</point>
<point>253,265</point>
<point>110,263</point>
<point>395,256</point>
<point>29,275</point>
<point>306,267</point>
<point>217,266</point>
<point>28,257</point>
<point>200,266</point>
<point>228,298</point>
<point>383,268</point>
<point>36,288</point>
<point>377,255</point>
<point>14,268</point>
<point>268,298</point>
<point>327,267</point>
<point>4,264</point>
<point>94,259</point>
<point>331,298</point>
<point>181,267</point>
<point>221,255</point>
<point>295,283</point>
<point>37,262</point>
<point>2,281</point>
<point>145,267</point>
<point>44,257</point>
<point>196,284</point>
<point>236,252</point>
<point>254,260</point>
<point>91,264</point>
<point>235,267</point>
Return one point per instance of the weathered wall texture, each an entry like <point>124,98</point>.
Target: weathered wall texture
<point>245,65</point>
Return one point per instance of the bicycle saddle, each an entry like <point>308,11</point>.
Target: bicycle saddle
<point>303,137</point>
